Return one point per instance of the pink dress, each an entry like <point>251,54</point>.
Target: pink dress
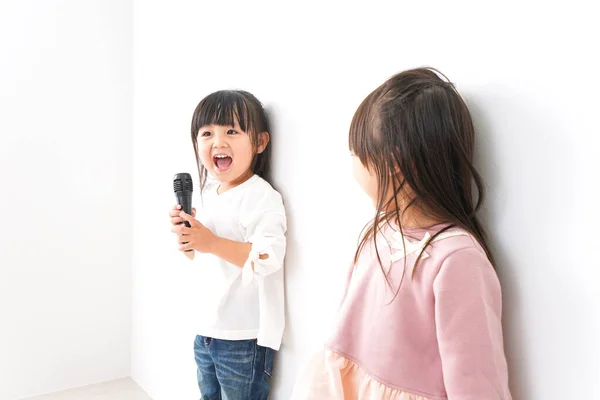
<point>438,337</point>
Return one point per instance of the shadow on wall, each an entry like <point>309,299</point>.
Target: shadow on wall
<point>520,216</point>
<point>488,138</point>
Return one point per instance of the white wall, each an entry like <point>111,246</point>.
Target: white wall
<point>529,73</point>
<point>65,169</point>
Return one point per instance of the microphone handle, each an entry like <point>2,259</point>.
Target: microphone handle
<point>185,201</point>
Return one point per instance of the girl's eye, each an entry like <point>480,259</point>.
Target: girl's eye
<point>206,134</point>
<point>231,132</point>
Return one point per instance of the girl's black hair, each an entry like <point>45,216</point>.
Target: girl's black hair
<point>415,131</point>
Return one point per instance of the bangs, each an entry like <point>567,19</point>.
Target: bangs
<point>224,108</point>
<point>363,129</point>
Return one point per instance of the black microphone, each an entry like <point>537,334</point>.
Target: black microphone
<point>183,187</point>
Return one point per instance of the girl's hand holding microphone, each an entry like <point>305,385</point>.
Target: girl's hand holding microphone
<point>196,237</point>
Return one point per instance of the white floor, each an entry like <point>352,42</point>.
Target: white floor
<point>120,389</point>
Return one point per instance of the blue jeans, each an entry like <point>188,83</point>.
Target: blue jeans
<point>233,369</point>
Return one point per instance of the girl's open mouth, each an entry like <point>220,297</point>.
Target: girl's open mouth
<point>222,162</point>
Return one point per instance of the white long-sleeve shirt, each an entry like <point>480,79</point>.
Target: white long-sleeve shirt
<point>243,303</point>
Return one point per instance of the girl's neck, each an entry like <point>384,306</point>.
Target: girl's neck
<point>417,220</point>
<point>413,217</point>
<point>226,186</point>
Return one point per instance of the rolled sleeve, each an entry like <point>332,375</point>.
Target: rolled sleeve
<point>265,230</point>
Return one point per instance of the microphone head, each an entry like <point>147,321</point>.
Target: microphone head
<point>182,182</point>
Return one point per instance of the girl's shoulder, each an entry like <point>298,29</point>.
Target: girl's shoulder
<point>455,240</point>
<point>434,246</point>
<point>435,239</point>
<point>261,202</point>
<point>260,190</point>
<point>460,257</point>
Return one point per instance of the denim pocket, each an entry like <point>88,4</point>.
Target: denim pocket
<point>269,360</point>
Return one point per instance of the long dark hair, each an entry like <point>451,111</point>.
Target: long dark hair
<point>415,131</point>
<point>224,108</point>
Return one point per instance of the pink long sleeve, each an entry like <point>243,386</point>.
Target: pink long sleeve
<point>468,311</point>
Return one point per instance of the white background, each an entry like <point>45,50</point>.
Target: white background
<point>65,169</point>
<point>527,70</point>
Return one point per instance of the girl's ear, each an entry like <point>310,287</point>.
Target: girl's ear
<point>263,141</point>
